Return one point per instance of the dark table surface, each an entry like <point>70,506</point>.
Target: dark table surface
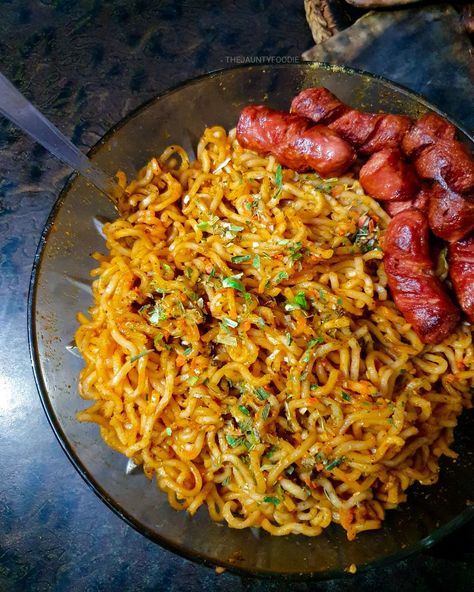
<point>87,64</point>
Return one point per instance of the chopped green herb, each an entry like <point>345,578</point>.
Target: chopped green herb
<point>261,393</point>
<point>192,380</point>
<point>283,241</point>
<point>213,273</point>
<point>300,300</point>
<point>158,341</point>
<point>268,499</point>
<point>203,225</point>
<point>266,411</point>
<point>295,252</point>
<point>241,258</point>
<point>233,441</point>
<point>339,301</point>
<point>245,426</point>
<point>322,294</point>
<point>335,463</point>
<point>278,181</point>
<point>346,396</point>
<point>188,351</point>
<point>282,275</point>
<point>260,322</point>
<point>157,315</point>
<point>230,323</point>
<point>313,387</point>
<point>244,409</point>
<point>315,341</point>
<point>226,482</point>
<point>390,421</point>
<point>371,245</point>
<point>168,431</point>
<point>289,338</point>
<point>188,272</point>
<point>234,228</point>
<point>305,359</point>
<point>320,456</point>
<point>256,262</point>
<point>231,282</point>
<point>141,354</point>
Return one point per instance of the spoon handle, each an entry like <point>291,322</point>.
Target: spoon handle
<point>15,107</point>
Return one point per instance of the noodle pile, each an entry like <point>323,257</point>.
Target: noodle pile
<point>243,348</point>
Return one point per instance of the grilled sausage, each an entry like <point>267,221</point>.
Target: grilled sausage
<point>366,131</point>
<point>318,104</point>
<point>429,128</point>
<point>386,176</point>
<point>388,133</point>
<point>449,163</point>
<point>450,215</point>
<point>417,292</point>
<point>295,141</point>
<point>420,202</point>
<point>355,126</point>
<point>461,271</point>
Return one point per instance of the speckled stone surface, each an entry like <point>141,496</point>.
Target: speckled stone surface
<point>86,64</point>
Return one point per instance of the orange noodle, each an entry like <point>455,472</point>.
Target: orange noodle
<point>244,349</point>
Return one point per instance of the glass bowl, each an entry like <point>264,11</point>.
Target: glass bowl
<point>60,287</point>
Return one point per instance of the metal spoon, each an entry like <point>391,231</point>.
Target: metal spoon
<point>15,107</point>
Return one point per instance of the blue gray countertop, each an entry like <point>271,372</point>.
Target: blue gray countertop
<point>86,64</point>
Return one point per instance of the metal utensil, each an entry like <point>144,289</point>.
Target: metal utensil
<point>15,107</point>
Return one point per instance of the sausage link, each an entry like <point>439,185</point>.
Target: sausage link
<point>450,215</point>
<point>429,128</point>
<point>420,202</point>
<point>388,133</point>
<point>449,163</point>
<point>295,141</point>
<point>355,126</point>
<point>318,104</point>
<point>368,132</point>
<point>387,177</point>
<point>461,271</point>
<point>417,292</point>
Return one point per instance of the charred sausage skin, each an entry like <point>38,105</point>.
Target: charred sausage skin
<point>295,141</point>
<point>387,177</point>
<point>461,271</point>
<point>416,290</point>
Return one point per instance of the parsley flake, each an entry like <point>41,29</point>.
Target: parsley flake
<point>261,393</point>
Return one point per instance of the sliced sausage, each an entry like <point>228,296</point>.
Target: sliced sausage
<point>295,141</point>
<point>386,176</point>
<point>388,133</point>
<point>461,271</point>
<point>420,202</point>
<point>355,126</point>
<point>318,104</point>
<point>425,132</point>
<point>417,292</point>
<point>449,163</point>
<point>450,215</point>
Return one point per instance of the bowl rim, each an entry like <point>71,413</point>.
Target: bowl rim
<point>197,557</point>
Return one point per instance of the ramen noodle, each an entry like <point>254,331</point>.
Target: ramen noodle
<point>243,347</point>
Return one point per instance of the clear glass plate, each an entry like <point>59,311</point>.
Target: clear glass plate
<point>60,287</point>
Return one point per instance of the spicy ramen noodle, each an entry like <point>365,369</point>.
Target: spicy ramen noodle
<point>243,347</point>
